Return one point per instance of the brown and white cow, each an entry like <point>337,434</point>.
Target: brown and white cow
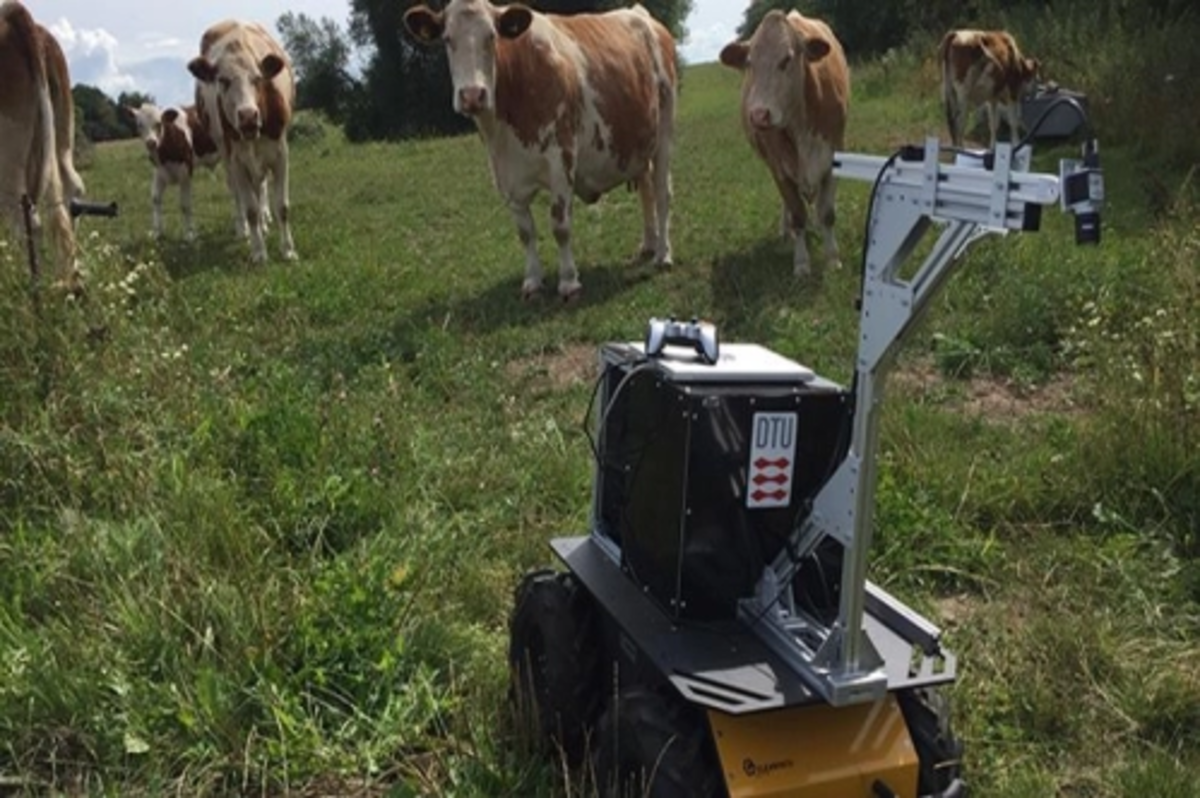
<point>59,78</point>
<point>983,68</point>
<point>29,149</point>
<point>176,142</point>
<point>246,84</point>
<point>795,95</point>
<point>576,105</point>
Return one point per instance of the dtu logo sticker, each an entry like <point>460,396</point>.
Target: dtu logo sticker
<point>772,460</point>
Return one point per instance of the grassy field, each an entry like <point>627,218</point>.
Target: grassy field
<point>259,526</point>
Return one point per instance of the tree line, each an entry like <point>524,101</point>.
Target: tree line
<point>371,78</point>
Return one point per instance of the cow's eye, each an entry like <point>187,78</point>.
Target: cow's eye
<point>225,83</point>
<point>785,62</point>
<point>449,42</point>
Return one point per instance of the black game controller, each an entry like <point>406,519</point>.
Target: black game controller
<point>698,335</point>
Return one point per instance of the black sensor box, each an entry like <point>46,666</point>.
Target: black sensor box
<point>705,470</point>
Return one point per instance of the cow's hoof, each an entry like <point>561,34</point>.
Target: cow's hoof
<point>291,256</point>
<point>664,263</point>
<point>645,254</point>
<point>531,293</point>
<point>570,293</point>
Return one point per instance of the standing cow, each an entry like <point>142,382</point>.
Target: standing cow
<point>795,93</point>
<point>576,105</point>
<point>175,142</point>
<point>983,68</point>
<point>29,148</point>
<point>245,83</point>
<point>59,79</point>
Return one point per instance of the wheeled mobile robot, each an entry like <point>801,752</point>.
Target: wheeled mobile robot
<point>715,633</point>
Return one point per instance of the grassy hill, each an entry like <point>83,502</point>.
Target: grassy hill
<point>259,526</point>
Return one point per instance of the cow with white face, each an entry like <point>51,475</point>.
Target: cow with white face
<point>245,82</point>
<point>175,143</point>
<point>795,94</point>
<point>576,105</point>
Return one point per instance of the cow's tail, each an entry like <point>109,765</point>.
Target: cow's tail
<point>43,180</point>
<point>949,102</point>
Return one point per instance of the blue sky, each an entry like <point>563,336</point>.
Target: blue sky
<point>134,45</point>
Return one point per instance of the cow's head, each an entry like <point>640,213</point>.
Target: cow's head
<point>773,62</point>
<point>1030,68</point>
<point>469,30</point>
<point>148,118</point>
<point>240,84</point>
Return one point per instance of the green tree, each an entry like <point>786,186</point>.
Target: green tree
<point>320,53</point>
<point>100,120</point>
<point>864,27</point>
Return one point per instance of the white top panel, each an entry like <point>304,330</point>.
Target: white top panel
<point>736,363</point>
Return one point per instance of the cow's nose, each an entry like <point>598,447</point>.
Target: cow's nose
<point>760,117</point>
<point>472,99</point>
<point>248,118</point>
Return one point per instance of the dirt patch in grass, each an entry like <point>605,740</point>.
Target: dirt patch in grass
<point>560,369</point>
<point>993,397</point>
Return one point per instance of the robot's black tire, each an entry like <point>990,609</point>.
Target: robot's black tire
<point>653,745</point>
<point>554,661</point>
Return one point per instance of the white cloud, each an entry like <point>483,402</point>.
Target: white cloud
<point>92,55</point>
<point>704,44</point>
<point>155,40</point>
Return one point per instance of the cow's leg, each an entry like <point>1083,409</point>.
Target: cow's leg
<point>239,207</point>
<point>662,173</point>
<point>279,198</point>
<point>827,217</point>
<point>246,186</point>
<point>1013,111</point>
<point>158,186</point>
<point>560,218</point>
<point>527,232</point>
<point>798,218</point>
<point>993,115</point>
<point>649,246</point>
<point>185,205</point>
<point>267,205</point>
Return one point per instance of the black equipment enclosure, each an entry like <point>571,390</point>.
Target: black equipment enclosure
<point>679,493</point>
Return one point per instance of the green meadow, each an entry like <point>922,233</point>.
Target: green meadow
<point>260,525</point>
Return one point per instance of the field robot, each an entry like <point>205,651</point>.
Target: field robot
<point>715,632</point>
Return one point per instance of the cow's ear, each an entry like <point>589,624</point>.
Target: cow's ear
<point>170,115</point>
<point>816,49</point>
<point>270,66</point>
<point>734,55</point>
<point>203,69</point>
<point>514,21</point>
<point>426,26</point>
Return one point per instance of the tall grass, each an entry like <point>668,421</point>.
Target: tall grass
<point>259,527</point>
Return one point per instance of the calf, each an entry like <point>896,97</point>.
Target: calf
<point>795,94</point>
<point>576,105</point>
<point>246,87</point>
<point>176,142</point>
<point>30,165</point>
<point>983,68</point>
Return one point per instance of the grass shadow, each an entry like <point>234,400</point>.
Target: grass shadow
<point>752,283</point>
<point>211,250</point>
<point>496,308</point>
